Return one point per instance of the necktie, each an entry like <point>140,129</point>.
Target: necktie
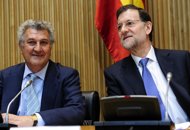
<point>33,104</point>
<point>150,85</point>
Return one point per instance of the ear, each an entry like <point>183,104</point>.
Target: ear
<point>148,27</point>
<point>21,47</point>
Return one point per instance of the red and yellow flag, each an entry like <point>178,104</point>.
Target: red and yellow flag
<point>106,24</point>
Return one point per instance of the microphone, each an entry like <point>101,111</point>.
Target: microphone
<point>28,83</point>
<point>169,77</point>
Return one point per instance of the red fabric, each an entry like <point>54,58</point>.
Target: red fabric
<point>106,24</point>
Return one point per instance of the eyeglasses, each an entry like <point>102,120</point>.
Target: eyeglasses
<point>129,24</point>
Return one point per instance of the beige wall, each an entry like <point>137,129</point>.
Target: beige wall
<point>171,20</point>
<point>77,42</point>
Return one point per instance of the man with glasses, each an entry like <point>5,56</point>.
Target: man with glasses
<point>51,92</point>
<point>146,70</point>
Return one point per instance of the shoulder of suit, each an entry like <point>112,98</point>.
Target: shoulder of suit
<point>171,52</point>
<point>120,63</point>
<point>61,68</point>
<point>16,67</point>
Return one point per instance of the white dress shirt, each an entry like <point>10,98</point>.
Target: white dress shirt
<point>40,81</point>
<point>175,111</point>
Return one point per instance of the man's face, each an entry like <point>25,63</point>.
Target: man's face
<point>36,48</point>
<point>132,31</point>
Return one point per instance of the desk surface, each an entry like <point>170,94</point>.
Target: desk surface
<point>55,128</point>
<point>135,125</point>
<point>107,125</point>
<point>87,127</point>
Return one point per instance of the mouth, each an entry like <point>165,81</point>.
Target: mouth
<point>126,37</point>
<point>37,55</point>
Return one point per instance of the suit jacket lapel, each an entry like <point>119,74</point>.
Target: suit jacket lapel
<point>50,88</point>
<point>167,66</point>
<point>165,63</point>
<point>132,76</point>
<point>135,80</point>
<point>13,86</point>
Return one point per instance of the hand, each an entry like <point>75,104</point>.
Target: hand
<point>20,121</point>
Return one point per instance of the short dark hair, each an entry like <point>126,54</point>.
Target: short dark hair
<point>144,16</point>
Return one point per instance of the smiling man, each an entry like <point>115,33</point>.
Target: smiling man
<point>54,96</point>
<point>145,71</point>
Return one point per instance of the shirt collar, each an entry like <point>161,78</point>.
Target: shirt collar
<point>151,55</point>
<point>40,74</point>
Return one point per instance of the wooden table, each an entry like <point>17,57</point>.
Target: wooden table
<point>87,127</point>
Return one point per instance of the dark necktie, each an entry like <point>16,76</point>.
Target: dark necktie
<point>150,85</point>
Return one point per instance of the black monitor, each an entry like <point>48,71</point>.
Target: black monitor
<point>133,107</point>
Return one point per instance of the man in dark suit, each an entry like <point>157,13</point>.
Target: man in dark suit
<point>125,77</point>
<point>57,88</point>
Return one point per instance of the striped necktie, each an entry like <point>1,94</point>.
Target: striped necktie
<point>150,85</point>
<point>33,104</point>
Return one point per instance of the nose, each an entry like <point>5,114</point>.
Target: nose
<point>37,47</point>
<point>123,30</point>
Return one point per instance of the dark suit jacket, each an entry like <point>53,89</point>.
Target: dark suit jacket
<point>123,77</point>
<point>62,102</point>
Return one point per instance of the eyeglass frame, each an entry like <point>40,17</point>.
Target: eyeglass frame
<point>129,24</point>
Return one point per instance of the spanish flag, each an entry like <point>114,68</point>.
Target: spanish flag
<point>106,24</point>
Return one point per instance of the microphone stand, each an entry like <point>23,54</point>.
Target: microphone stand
<point>28,83</point>
<point>169,77</point>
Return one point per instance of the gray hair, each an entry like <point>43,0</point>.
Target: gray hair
<point>35,24</point>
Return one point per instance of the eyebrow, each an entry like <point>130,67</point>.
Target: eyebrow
<point>36,40</point>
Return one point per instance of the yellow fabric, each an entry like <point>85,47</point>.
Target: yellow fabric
<point>138,3</point>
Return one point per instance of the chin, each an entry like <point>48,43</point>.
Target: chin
<point>37,63</point>
<point>126,46</point>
